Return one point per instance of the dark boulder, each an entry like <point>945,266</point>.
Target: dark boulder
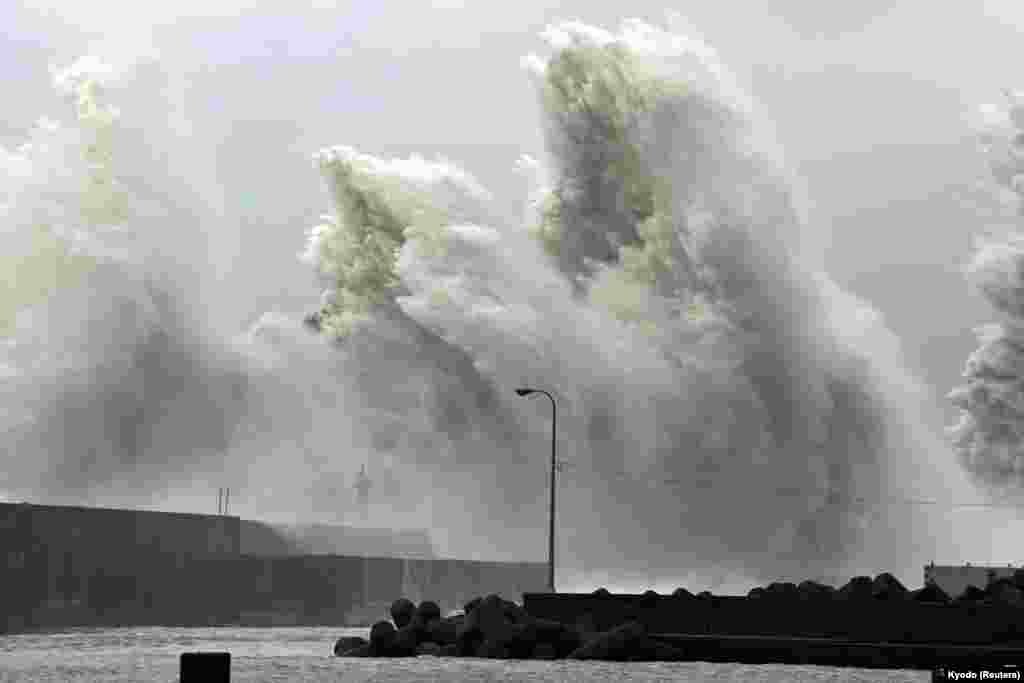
<point>756,593</point>
<point>972,594</point>
<point>530,633</point>
<point>681,593</point>
<point>492,649</point>
<point>402,611</point>
<point>467,642</point>
<point>492,618</point>
<point>523,643</point>
<point>497,628</point>
<point>812,590</point>
<point>517,642</point>
<point>384,642</point>
<point>602,593</point>
<point>382,636</point>
<point>346,643</point>
<point>444,631</point>
<point>781,590</point>
<point>648,600</point>
<point>1005,592</point>
<point>930,593</point>
<point>514,612</point>
<point>408,638</point>
<point>471,605</point>
<point>705,595</point>
<point>857,589</point>
<point>487,621</point>
<point>428,611</point>
<point>888,587</point>
<point>428,648</point>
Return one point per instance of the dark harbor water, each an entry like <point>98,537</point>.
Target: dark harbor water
<point>304,654</point>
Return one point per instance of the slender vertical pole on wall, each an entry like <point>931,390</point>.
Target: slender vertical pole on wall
<point>551,518</point>
<point>220,492</point>
<point>554,467</point>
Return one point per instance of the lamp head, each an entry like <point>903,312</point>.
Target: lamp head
<point>525,392</point>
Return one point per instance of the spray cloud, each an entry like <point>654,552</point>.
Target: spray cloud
<point>659,293</point>
<point>721,400</point>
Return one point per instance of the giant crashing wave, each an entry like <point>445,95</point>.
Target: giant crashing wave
<point>721,400</point>
<point>122,385</point>
<point>113,387</point>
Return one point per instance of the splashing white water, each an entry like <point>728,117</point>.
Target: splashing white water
<point>990,433</point>
<point>662,195</point>
<point>721,401</point>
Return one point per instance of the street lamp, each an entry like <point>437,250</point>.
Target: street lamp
<point>551,519</point>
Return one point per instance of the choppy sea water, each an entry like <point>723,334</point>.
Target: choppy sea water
<point>304,654</point>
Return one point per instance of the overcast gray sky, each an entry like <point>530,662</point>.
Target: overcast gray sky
<point>869,99</point>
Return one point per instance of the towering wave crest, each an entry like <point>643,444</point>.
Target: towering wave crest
<point>112,381</point>
<point>697,360</point>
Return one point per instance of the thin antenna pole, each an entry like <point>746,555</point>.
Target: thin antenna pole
<point>227,499</point>
<point>220,492</point>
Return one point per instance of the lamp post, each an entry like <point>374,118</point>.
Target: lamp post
<point>551,518</point>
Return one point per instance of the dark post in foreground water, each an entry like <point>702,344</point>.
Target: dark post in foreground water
<point>205,667</point>
<point>551,520</point>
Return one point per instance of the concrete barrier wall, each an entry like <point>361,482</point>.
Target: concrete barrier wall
<point>262,538</point>
<point>81,566</point>
<point>66,566</point>
<point>108,531</point>
<point>331,539</point>
<point>726,615</point>
<point>312,590</point>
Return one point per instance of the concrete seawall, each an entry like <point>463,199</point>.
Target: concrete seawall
<point>897,622</point>
<point>828,632</point>
<point>77,566</point>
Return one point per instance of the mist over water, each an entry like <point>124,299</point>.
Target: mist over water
<point>727,413</point>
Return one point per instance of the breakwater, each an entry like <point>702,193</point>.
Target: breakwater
<point>922,629</point>
<point>650,627</point>
<point>903,621</point>
<point>77,566</point>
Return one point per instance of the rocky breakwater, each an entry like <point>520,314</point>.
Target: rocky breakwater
<point>777,622</point>
<point>493,627</point>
